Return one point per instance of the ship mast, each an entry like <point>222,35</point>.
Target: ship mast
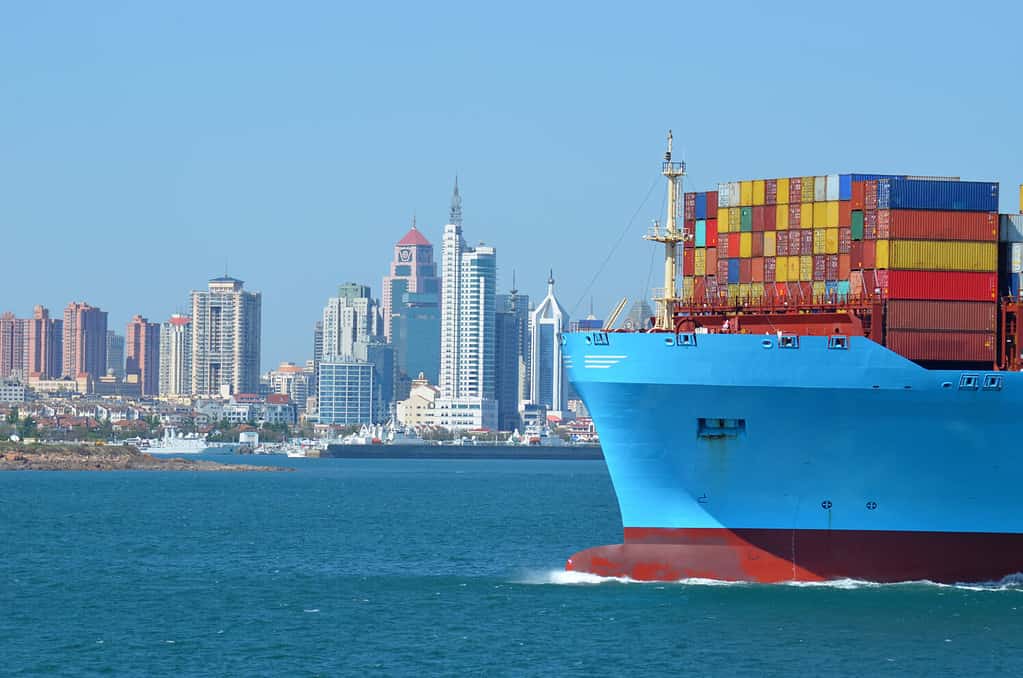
<point>670,236</point>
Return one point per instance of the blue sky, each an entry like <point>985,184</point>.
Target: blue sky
<point>143,144</point>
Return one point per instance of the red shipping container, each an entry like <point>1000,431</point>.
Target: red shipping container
<point>712,205</point>
<point>757,246</point>
<point>870,286</point>
<point>745,270</point>
<point>803,291</point>
<point>770,269</point>
<point>770,218</point>
<point>722,269</point>
<point>844,214</point>
<point>771,191</point>
<point>943,346</point>
<point>818,267</point>
<point>757,269</point>
<point>690,206</point>
<point>843,267</point>
<point>869,253</point>
<point>856,254</point>
<point>844,240</point>
<point>947,285</point>
<point>806,243</point>
<point>733,245</point>
<point>883,225</point>
<point>781,243</point>
<point>870,195</point>
<point>712,232</point>
<point>870,225</point>
<point>795,212</point>
<point>689,228</point>
<point>688,261</point>
<point>795,192</point>
<point>941,225</point>
<point>857,195</point>
<point>831,267</point>
<point>758,217</point>
<point>945,316</point>
<point>712,260</point>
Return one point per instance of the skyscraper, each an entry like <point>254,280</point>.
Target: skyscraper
<point>85,340</point>
<point>226,326</point>
<point>468,304</point>
<point>176,356</point>
<point>13,347</point>
<point>142,339</point>
<point>547,378</point>
<point>412,271</point>
<point>115,354</point>
<point>45,344</point>
<point>512,356</point>
<point>352,316</point>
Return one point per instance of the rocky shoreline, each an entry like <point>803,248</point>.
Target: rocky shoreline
<point>17,457</point>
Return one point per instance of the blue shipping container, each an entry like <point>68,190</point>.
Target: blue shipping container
<point>701,205</point>
<point>700,237</point>
<point>845,187</point>
<point>733,271</point>
<point>922,194</point>
<point>831,288</point>
<point>843,287</point>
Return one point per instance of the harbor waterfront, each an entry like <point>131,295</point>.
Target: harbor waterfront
<point>393,567</point>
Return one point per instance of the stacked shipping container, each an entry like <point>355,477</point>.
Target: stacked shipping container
<point>928,245</point>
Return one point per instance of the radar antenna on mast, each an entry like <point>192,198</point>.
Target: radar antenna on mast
<point>671,237</point>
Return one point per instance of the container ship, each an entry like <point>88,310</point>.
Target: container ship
<point>829,388</point>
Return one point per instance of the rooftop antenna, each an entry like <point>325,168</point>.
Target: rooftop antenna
<point>455,215</point>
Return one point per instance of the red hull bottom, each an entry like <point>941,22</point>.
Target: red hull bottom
<point>762,555</point>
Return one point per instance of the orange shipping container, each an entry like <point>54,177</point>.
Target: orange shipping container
<point>712,260</point>
<point>757,269</point>
<point>757,249</point>
<point>843,267</point>
<point>845,214</point>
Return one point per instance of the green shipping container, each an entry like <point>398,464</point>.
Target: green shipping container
<point>857,225</point>
<point>747,220</point>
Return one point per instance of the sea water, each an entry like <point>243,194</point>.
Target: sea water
<point>398,567</point>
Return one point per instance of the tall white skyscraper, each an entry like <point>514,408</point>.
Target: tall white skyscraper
<point>350,318</point>
<point>226,325</point>
<point>176,356</point>
<point>547,373</point>
<point>468,304</point>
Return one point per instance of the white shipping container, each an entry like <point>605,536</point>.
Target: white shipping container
<point>832,192</point>
<point>723,200</point>
<point>734,194</point>
<point>820,189</point>
<point>1011,228</point>
<point>1016,257</point>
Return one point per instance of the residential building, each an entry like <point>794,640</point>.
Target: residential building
<point>176,357</point>
<point>226,326</point>
<point>12,391</point>
<point>45,350</point>
<point>142,339</point>
<point>85,340</point>
<point>468,304</point>
<point>352,316</point>
<point>291,380</point>
<point>547,373</point>
<point>13,347</point>
<point>115,354</point>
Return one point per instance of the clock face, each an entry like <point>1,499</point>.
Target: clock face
<point>405,254</point>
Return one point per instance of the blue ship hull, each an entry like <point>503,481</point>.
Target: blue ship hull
<point>733,457</point>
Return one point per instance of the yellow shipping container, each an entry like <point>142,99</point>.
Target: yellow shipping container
<point>806,215</point>
<point>700,261</point>
<point>881,250</point>
<point>758,191</point>
<point>781,269</point>
<point>733,291</point>
<point>744,290</point>
<point>723,219</point>
<point>769,243</point>
<point>819,241</point>
<point>807,194</point>
<point>820,214</point>
<point>756,290</point>
<point>831,241</point>
<point>687,287</point>
<point>745,193</point>
<point>745,245</point>
<point>793,275</point>
<point>818,288</point>
<point>806,267</point>
<point>832,217</point>
<point>933,255</point>
<point>783,194</point>
<point>781,219</point>
<point>734,220</point>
